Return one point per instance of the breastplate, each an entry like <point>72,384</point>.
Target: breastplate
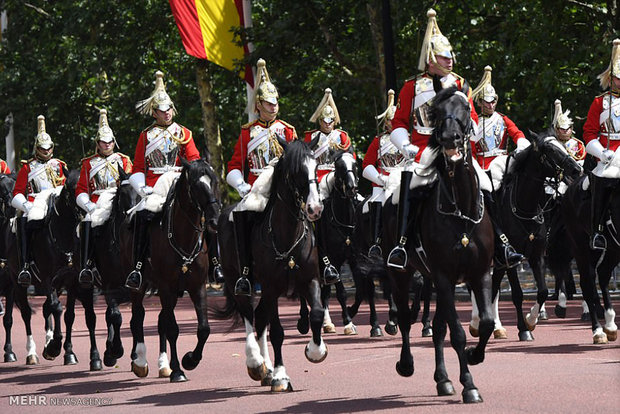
<point>491,132</point>
<point>107,174</point>
<point>264,145</point>
<point>329,144</point>
<point>389,156</point>
<point>612,124</point>
<point>47,178</point>
<point>167,149</point>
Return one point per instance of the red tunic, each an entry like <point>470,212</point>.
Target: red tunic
<point>255,158</point>
<point>25,187</point>
<point>187,151</point>
<point>339,140</point>
<point>510,130</point>
<point>88,185</point>
<point>404,116</point>
<point>4,168</point>
<point>593,129</point>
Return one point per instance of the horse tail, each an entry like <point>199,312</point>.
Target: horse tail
<point>230,309</point>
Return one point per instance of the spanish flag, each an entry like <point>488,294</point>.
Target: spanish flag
<point>206,31</point>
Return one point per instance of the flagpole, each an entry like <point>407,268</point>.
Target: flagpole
<point>247,22</point>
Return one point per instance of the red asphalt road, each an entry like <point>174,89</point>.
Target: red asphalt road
<point>561,371</point>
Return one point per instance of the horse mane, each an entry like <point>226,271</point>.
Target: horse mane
<point>291,162</point>
<point>517,161</point>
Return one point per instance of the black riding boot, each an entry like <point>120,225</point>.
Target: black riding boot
<point>330,273</point>
<point>243,226</point>
<point>85,278</point>
<point>506,251</point>
<point>140,243</point>
<point>24,278</point>
<point>398,255</point>
<point>600,201</point>
<point>214,258</point>
<point>375,217</point>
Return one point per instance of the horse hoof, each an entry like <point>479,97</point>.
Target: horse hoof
<point>445,388</point>
<point>391,328</point>
<point>32,360</point>
<point>471,396</point>
<point>164,372</point>
<point>611,335</point>
<point>95,365</point>
<point>266,381</point>
<point>500,333</point>
<point>315,361</point>
<point>350,329</point>
<point>376,332</point>
<point>427,332</point>
<point>281,385</point>
<point>542,315</point>
<point>178,376</point>
<point>140,372</point>
<point>404,372</point>
<point>600,339</point>
<point>526,336</point>
<point>560,312</point>
<point>9,357</point>
<point>258,373</point>
<point>47,356</point>
<point>303,326</point>
<point>474,357</point>
<point>108,360</point>
<point>474,331</point>
<point>188,361</point>
<point>70,358</point>
<point>585,317</point>
<point>329,328</point>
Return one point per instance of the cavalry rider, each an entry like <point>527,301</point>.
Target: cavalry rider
<point>99,178</point>
<point>255,153</point>
<point>330,140</point>
<point>490,147</point>
<point>381,158</point>
<point>4,167</point>
<point>563,128</point>
<point>38,178</point>
<point>411,117</point>
<point>156,165</point>
<point>601,132</point>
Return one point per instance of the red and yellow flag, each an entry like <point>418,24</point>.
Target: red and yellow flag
<point>205,28</point>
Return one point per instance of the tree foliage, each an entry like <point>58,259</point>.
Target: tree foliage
<point>68,58</point>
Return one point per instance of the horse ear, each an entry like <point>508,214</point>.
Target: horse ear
<point>534,139</point>
<point>437,84</point>
<point>283,143</point>
<point>122,174</point>
<point>184,162</point>
<point>315,141</point>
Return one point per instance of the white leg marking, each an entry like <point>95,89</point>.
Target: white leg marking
<point>475,315</point>
<point>31,347</point>
<point>532,317</point>
<point>562,300</point>
<point>140,355</point>
<point>264,350</point>
<point>610,325</point>
<point>315,352</point>
<point>326,318</point>
<point>49,335</point>
<point>279,373</point>
<point>584,306</point>
<point>253,357</point>
<point>163,361</point>
<point>497,322</point>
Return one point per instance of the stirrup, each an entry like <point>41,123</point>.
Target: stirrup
<point>598,242</point>
<point>86,278</point>
<point>511,256</point>
<point>134,280</point>
<point>330,275</point>
<point>398,257</point>
<point>375,251</point>
<point>218,274</point>
<point>243,287</point>
<point>24,278</point>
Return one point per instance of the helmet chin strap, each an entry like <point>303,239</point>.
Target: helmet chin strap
<point>41,156</point>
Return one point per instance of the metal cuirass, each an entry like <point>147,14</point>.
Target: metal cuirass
<point>164,148</point>
<point>490,133</point>
<point>423,100</point>
<point>44,175</point>
<point>611,124</point>
<point>389,156</point>
<point>326,147</point>
<point>263,145</point>
<point>104,172</point>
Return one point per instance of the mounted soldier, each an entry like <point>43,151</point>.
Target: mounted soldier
<point>329,141</point>
<point>39,178</point>
<point>99,179</point>
<point>601,132</point>
<point>251,167</point>
<point>4,167</point>
<point>381,159</point>
<point>563,128</point>
<point>156,166</point>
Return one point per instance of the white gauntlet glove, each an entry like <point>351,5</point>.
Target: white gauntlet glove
<point>83,200</point>
<point>138,182</point>
<point>235,180</point>
<point>595,148</point>
<point>410,151</point>
<point>400,138</point>
<point>608,155</point>
<point>21,203</point>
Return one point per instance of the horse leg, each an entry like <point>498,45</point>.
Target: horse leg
<point>427,293</point>
<point>7,322</point>
<point>604,276</point>
<point>391,326</point>
<point>139,365</point>
<point>52,348</point>
<point>70,358</point>
<point>443,384</point>
<point>328,325</point>
<point>21,300</point>
<point>168,322</point>
<point>91,323</point>
<point>162,362</point>
<point>531,319</point>
<point>267,313</point>
<point>341,295</point>
<point>375,329</point>
<point>316,350</point>
<point>303,324</point>
<point>517,299</point>
<point>192,358</point>
<point>400,294</point>
<point>113,345</point>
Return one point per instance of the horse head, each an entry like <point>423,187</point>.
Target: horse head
<point>345,175</point>
<point>65,204</point>
<point>126,197</point>
<point>296,170</point>
<point>554,159</point>
<point>451,115</point>
<point>203,190</point>
<point>7,182</point>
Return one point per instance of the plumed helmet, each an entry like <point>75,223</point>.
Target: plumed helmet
<point>159,99</point>
<point>43,139</point>
<point>327,110</point>
<point>485,90</point>
<point>614,66</point>
<point>434,43</point>
<point>264,90</point>
<point>104,133</point>
<point>390,111</point>
<point>561,119</point>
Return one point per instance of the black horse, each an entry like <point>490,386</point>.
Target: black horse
<point>522,203</point>
<point>336,226</point>
<point>593,265</point>
<point>179,262</point>
<point>285,261</point>
<point>451,241</point>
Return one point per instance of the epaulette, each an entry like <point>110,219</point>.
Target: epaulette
<point>603,94</point>
<point>311,131</point>
<point>286,123</point>
<point>24,162</point>
<point>246,126</point>
<point>123,155</point>
<point>87,158</point>
<point>149,127</point>
<point>456,75</point>
<point>62,162</point>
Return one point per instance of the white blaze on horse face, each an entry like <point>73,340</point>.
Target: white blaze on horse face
<point>206,180</point>
<point>314,206</point>
<point>349,161</point>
